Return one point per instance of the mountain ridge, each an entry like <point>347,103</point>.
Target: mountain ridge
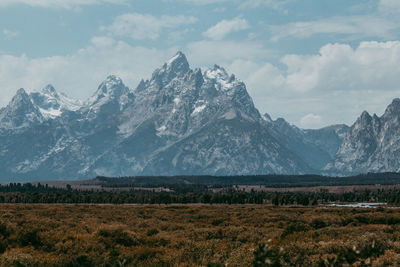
<point>181,121</point>
<point>372,144</point>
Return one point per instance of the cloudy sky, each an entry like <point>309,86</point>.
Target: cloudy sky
<point>313,62</point>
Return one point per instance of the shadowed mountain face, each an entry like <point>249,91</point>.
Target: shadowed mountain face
<point>179,122</point>
<point>316,147</point>
<point>372,144</point>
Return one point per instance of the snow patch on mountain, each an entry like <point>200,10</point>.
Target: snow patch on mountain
<point>52,104</point>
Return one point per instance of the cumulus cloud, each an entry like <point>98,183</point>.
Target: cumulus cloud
<point>67,4</point>
<point>204,53</point>
<point>370,66</point>
<point>310,121</point>
<point>79,74</point>
<point>274,4</point>
<point>353,27</point>
<point>225,27</point>
<point>337,83</point>
<point>144,26</point>
<point>389,6</point>
<point>259,76</point>
<point>334,85</point>
<point>9,34</point>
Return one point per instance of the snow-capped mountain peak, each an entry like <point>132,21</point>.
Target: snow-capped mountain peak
<point>111,96</point>
<point>224,82</point>
<point>179,122</point>
<point>50,90</point>
<point>52,104</point>
<point>217,73</point>
<point>178,63</point>
<point>20,112</point>
<point>112,87</point>
<point>176,67</point>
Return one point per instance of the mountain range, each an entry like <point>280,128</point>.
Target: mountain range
<point>181,121</point>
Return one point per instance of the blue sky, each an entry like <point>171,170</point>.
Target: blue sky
<point>313,62</point>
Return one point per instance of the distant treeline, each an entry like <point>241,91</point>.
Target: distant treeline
<point>267,180</point>
<point>28,193</point>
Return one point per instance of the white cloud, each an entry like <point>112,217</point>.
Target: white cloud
<point>225,27</point>
<point>310,121</point>
<point>273,4</point>
<point>144,26</point>
<point>102,41</point>
<point>225,52</point>
<point>9,34</point>
<point>67,4</point>
<point>259,77</point>
<point>339,83</point>
<point>353,27</point>
<point>79,74</point>
<point>389,6</point>
<point>372,65</point>
<point>336,84</point>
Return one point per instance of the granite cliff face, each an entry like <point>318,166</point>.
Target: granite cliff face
<point>372,144</point>
<point>180,121</point>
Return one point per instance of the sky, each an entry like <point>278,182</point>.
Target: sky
<point>312,62</point>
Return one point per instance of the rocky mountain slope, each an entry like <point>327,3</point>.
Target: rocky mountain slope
<point>372,144</point>
<point>179,122</point>
<point>316,147</point>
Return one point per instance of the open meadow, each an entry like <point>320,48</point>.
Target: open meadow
<point>197,235</point>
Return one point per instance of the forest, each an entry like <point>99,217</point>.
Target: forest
<point>190,194</point>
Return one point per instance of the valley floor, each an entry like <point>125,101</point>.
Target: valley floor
<point>197,235</point>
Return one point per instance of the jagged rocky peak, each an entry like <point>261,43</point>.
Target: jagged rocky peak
<point>177,66</point>
<point>365,115</point>
<point>368,123</point>
<point>113,85</point>
<point>142,85</point>
<point>364,119</point>
<point>48,101</point>
<point>21,102</point>
<point>393,108</point>
<point>198,77</point>
<point>225,82</point>
<point>267,118</point>
<point>178,63</point>
<point>111,88</point>
<point>111,96</point>
<point>20,111</point>
<point>218,74</point>
<point>50,90</point>
<point>21,97</point>
<point>51,104</point>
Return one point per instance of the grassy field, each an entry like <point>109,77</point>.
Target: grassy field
<point>197,235</point>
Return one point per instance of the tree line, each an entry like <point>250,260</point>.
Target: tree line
<point>187,194</point>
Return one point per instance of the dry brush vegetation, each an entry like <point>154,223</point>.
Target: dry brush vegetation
<point>197,235</point>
